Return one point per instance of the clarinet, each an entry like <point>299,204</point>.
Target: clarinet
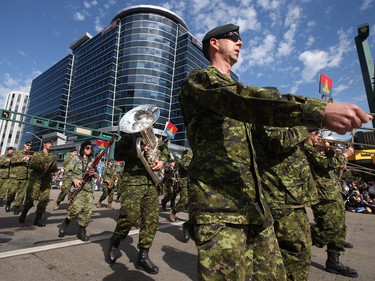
<point>72,195</point>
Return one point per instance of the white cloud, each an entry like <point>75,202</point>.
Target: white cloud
<point>78,16</point>
<point>22,53</point>
<point>310,41</point>
<point>367,4</point>
<point>88,4</point>
<point>316,60</point>
<point>262,54</point>
<point>269,4</point>
<point>9,81</point>
<point>340,88</point>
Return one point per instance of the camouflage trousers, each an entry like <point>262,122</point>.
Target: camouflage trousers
<point>107,192</point>
<point>4,186</point>
<point>139,200</point>
<point>236,252</point>
<point>292,230</point>
<point>329,228</point>
<point>182,202</point>
<point>17,191</point>
<point>82,207</point>
<point>169,192</point>
<point>38,191</point>
<point>65,188</point>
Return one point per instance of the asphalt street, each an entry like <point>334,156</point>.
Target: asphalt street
<point>29,253</point>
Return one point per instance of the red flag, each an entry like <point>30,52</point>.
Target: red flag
<point>325,85</point>
<point>170,130</point>
<point>102,144</point>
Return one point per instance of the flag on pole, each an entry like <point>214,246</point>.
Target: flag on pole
<point>170,130</point>
<point>102,144</point>
<point>325,85</point>
<point>106,28</point>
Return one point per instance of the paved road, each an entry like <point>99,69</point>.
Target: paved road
<point>29,253</point>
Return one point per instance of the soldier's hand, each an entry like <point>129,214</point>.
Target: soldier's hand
<point>77,183</point>
<point>342,118</point>
<point>348,152</point>
<point>158,165</point>
<point>91,171</point>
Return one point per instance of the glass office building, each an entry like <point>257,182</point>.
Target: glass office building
<point>142,57</point>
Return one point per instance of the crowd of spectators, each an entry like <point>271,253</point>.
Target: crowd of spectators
<point>359,196</point>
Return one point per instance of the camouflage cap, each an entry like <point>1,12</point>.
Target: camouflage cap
<point>216,32</point>
<point>10,148</point>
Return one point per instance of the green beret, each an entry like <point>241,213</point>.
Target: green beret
<point>220,30</point>
<point>216,32</point>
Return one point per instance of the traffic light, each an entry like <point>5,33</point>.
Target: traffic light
<point>5,114</point>
<point>39,122</point>
<point>106,136</point>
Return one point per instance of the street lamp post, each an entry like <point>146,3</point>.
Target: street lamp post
<point>40,144</point>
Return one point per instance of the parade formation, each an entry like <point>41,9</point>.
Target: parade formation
<point>246,182</point>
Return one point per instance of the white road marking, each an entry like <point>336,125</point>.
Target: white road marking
<point>73,243</point>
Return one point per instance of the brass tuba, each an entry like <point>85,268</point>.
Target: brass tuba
<point>140,120</point>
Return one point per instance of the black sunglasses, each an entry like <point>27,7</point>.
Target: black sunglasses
<point>230,35</point>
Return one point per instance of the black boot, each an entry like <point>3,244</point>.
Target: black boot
<point>173,202</point>
<point>16,210</point>
<point>144,262</point>
<point>333,265</point>
<point>23,215</point>
<point>163,204</point>
<point>112,253</point>
<point>81,235</point>
<point>348,245</point>
<point>185,231</point>
<point>63,226</point>
<point>7,207</point>
<point>38,220</point>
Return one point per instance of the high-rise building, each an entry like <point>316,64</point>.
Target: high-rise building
<point>142,57</point>
<point>10,131</point>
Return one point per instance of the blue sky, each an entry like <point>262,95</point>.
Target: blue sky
<point>287,43</point>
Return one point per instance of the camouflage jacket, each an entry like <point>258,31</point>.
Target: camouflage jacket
<point>20,168</point>
<point>67,160</point>
<point>126,151</point>
<point>283,166</point>
<point>4,167</point>
<point>216,112</point>
<point>43,166</point>
<point>183,164</point>
<point>323,167</point>
<point>76,168</point>
<point>107,174</point>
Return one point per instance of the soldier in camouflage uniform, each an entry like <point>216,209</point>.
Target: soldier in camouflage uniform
<point>170,184</point>
<point>5,165</point>
<point>42,164</point>
<point>109,177</point>
<point>288,187</point>
<point>82,204</point>
<point>139,200</point>
<point>329,212</point>
<point>18,178</point>
<point>66,183</point>
<point>233,227</point>
<point>183,167</point>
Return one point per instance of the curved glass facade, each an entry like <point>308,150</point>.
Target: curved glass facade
<point>146,63</point>
<point>143,57</point>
